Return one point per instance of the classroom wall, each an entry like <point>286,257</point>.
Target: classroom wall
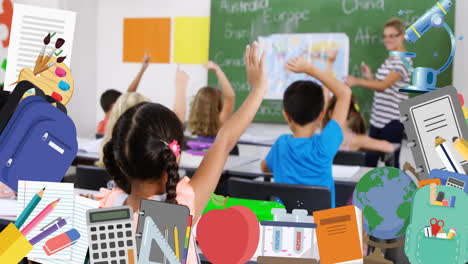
<point>158,81</point>
<point>82,108</point>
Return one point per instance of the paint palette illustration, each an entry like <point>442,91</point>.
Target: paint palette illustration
<point>56,81</point>
<point>50,73</point>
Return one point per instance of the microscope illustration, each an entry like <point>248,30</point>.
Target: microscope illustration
<point>425,79</point>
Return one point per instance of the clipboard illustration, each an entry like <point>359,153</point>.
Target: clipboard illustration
<point>156,241</point>
<point>430,115</point>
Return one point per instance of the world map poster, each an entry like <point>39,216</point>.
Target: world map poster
<point>280,48</point>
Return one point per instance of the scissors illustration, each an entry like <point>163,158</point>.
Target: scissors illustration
<point>436,225</point>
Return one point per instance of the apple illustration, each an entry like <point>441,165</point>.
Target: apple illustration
<point>228,236</point>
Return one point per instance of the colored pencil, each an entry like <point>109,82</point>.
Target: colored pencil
<point>176,242</point>
<point>166,236</point>
<point>48,231</point>
<point>43,214</point>
<point>187,239</point>
<point>29,208</point>
<point>461,146</point>
<point>445,154</point>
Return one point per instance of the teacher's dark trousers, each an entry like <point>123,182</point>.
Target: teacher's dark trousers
<point>392,132</point>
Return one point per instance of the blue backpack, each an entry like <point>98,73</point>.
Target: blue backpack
<point>37,140</point>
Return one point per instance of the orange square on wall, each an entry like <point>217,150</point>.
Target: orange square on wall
<point>153,34</point>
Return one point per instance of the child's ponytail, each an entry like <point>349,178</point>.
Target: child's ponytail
<point>172,169</point>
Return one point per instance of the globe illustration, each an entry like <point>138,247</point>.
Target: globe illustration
<point>385,196</point>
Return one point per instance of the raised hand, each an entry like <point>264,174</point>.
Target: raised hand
<point>352,81</point>
<point>255,67</point>
<point>180,98</point>
<point>212,66</point>
<point>182,77</point>
<point>146,60</point>
<point>144,65</point>
<point>299,65</point>
<point>366,71</point>
<point>331,55</point>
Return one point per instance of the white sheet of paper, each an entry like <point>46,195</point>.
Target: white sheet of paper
<point>344,172</point>
<point>193,161</point>
<point>92,146</point>
<point>256,139</point>
<point>30,24</point>
<point>80,248</point>
<point>190,161</point>
<point>64,209</point>
<point>8,209</point>
<point>234,162</point>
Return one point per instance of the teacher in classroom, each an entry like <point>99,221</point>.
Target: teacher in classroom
<point>391,76</point>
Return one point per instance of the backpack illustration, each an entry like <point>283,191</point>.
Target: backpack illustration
<point>438,233</point>
<point>37,140</point>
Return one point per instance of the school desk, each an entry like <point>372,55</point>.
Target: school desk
<point>88,152</point>
<point>345,177</point>
<point>85,158</point>
<point>190,162</point>
<point>341,173</point>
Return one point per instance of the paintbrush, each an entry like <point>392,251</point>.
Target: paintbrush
<point>47,66</point>
<point>58,44</point>
<point>39,58</point>
<point>43,68</point>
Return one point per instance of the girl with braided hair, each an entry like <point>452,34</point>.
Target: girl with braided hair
<point>143,153</point>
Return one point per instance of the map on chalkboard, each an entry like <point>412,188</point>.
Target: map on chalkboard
<point>280,48</point>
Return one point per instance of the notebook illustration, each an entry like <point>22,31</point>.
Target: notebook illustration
<point>64,209</point>
<point>339,235</point>
<point>162,232</point>
<point>428,116</point>
<point>80,248</point>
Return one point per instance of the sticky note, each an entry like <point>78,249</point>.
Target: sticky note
<point>191,40</point>
<point>140,34</point>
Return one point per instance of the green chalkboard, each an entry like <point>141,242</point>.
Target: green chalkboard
<point>236,23</point>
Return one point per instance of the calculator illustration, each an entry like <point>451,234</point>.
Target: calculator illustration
<point>452,182</point>
<point>111,236</point>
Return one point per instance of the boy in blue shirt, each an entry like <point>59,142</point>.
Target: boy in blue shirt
<point>305,157</point>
